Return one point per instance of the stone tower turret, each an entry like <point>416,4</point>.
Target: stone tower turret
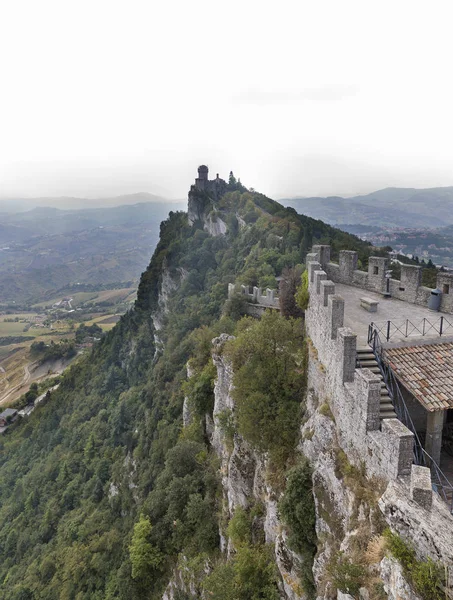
<point>202,180</point>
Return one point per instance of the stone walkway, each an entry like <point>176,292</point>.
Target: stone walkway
<point>390,309</point>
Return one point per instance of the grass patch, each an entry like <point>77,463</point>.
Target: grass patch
<point>426,576</point>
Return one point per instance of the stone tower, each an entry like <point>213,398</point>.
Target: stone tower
<point>202,180</point>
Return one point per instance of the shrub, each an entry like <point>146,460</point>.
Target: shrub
<point>251,574</point>
<point>239,527</point>
<point>297,509</point>
<point>302,295</point>
<point>347,576</point>
<point>200,390</point>
<point>427,577</point>
<point>235,307</point>
<point>325,411</point>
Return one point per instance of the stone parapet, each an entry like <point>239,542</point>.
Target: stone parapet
<point>255,295</point>
<point>409,288</point>
<point>421,488</point>
<point>385,446</point>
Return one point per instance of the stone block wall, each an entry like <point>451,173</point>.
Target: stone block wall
<point>255,295</point>
<point>408,289</point>
<point>445,284</point>
<point>386,447</point>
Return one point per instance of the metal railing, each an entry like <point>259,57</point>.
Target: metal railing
<point>440,483</point>
<point>408,328</point>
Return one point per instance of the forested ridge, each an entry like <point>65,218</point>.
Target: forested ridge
<point>102,491</point>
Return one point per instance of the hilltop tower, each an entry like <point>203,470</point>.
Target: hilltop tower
<point>202,179</point>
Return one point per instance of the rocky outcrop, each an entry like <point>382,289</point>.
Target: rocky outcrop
<point>169,283</point>
<point>214,225</point>
<point>187,415</point>
<point>395,585</point>
<point>244,477</point>
<point>428,531</point>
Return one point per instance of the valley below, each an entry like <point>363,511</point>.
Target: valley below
<point>64,267</point>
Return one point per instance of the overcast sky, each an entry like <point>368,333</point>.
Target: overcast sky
<point>101,97</point>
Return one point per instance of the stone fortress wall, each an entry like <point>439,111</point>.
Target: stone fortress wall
<point>255,295</point>
<point>409,288</point>
<point>384,446</point>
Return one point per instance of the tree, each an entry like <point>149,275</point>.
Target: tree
<point>145,558</point>
<point>268,381</point>
<point>287,292</point>
<point>302,296</point>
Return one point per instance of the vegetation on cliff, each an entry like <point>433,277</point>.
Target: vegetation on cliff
<point>102,488</point>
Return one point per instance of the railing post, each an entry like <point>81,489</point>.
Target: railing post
<point>441,325</point>
<point>407,320</point>
<point>424,319</point>
<point>388,330</point>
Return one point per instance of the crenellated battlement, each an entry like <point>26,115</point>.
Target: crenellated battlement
<point>255,295</point>
<point>386,447</point>
<point>409,288</point>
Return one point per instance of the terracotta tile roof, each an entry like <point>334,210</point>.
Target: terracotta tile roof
<point>426,371</point>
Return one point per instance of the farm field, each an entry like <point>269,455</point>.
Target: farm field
<point>79,298</point>
<point>17,329</point>
<point>18,368</point>
<point>106,323</point>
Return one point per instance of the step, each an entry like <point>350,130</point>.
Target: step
<point>386,406</point>
<point>388,414</point>
<point>368,363</point>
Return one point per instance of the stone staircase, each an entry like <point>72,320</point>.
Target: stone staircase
<point>367,360</point>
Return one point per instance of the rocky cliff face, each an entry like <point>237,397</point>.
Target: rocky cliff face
<point>168,284</point>
<point>244,478</point>
<point>201,208</point>
<point>349,507</point>
<point>214,225</point>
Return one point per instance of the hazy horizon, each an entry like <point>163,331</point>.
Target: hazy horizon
<point>163,199</point>
<point>298,99</point>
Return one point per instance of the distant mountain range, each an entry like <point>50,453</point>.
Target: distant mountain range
<point>14,205</point>
<point>390,207</point>
<point>45,249</point>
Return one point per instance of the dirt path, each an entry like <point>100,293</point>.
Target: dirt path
<point>34,372</point>
<point>27,376</point>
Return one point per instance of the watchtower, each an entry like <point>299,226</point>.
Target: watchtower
<point>202,179</point>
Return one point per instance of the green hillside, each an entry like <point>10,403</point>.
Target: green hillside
<point>101,489</point>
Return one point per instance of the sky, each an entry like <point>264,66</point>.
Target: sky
<point>325,97</point>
